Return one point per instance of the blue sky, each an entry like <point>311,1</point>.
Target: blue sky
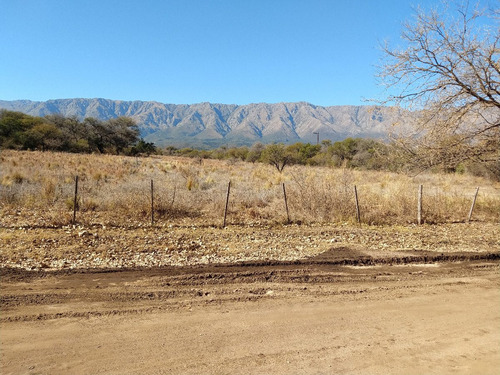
<point>188,51</point>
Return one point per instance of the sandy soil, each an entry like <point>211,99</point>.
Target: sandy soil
<point>341,311</point>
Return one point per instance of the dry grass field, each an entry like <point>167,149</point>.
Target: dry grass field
<point>320,294</point>
<point>37,189</point>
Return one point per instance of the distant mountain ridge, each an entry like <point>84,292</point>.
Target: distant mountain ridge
<point>212,125</point>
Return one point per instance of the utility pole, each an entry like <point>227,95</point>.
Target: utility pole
<point>317,137</point>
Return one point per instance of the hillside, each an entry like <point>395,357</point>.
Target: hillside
<point>207,124</point>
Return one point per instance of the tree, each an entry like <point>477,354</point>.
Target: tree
<point>113,135</point>
<point>43,135</point>
<point>74,132</point>
<point>302,153</point>
<point>97,134</point>
<point>345,150</point>
<point>143,147</point>
<point>13,128</point>
<point>255,152</point>
<point>123,132</point>
<point>277,155</point>
<point>448,74</point>
<point>236,153</point>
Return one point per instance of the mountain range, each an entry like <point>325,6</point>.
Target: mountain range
<point>211,125</point>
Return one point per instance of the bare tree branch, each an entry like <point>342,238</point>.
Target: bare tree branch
<point>449,75</point>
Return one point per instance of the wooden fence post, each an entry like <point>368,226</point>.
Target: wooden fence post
<point>286,205</point>
<point>227,203</point>
<point>358,213</point>
<point>152,204</point>
<point>472,206</point>
<point>419,213</point>
<point>75,200</point>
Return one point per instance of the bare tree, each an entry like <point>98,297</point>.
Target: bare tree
<point>448,75</point>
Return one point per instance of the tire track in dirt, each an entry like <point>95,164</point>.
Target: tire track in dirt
<point>249,295</point>
<point>92,293</point>
<point>333,257</point>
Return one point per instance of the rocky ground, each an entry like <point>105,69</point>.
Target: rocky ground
<point>78,247</point>
<point>191,299</point>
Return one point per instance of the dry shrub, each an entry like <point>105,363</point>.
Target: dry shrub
<point>388,200</point>
<point>9,195</point>
<point>49,191</point>
<point>314,197</point>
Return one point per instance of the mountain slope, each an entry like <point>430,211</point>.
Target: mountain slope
<point>207,124</point>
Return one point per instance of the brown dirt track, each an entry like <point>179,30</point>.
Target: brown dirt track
<point>341,311</point>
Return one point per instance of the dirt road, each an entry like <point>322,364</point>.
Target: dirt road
<point>340,312</point>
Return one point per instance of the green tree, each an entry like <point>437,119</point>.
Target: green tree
<point>277,155</point>
<point>240,153</point>
<point>122,132</point>
<point>303,153</point>
<point>113,135</point>
<point>344,150</point>
<point>74,132</point>
<point>97,134</point>
<point>44,136</point>
<point>13,126</point>
<point>143,147</point>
